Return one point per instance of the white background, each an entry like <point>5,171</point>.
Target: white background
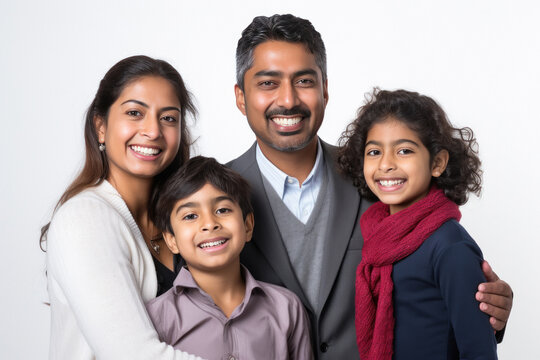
<point>479,59</point>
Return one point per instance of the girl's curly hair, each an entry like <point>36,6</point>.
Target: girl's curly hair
<point>424,116</point>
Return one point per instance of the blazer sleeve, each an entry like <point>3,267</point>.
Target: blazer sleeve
<point>458,271</point>
<point>89,259</point>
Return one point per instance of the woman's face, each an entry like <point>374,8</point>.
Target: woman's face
<point>142,133</point>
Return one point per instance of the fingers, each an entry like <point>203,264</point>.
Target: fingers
<point>498,287</point>
<point>496,306</point>
<point>498,316</point>
<point>488,272</point>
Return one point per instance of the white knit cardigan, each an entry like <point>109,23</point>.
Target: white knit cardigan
<point>99,275</point>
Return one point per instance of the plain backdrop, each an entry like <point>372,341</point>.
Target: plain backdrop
<point>479,59</point>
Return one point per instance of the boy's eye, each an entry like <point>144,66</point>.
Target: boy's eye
<point>223,211</point>
<point>190,217</point>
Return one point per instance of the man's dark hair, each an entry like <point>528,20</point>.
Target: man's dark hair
<point>281,28</point>
<point>190,178</point>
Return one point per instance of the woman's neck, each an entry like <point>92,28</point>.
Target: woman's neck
<point>136,194</point>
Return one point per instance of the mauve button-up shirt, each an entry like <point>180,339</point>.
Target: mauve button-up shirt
<point>270,323</point>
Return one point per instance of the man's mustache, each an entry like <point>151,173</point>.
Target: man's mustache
<point>296,110</point>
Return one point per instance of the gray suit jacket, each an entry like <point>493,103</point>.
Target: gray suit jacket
<point>332,326</point>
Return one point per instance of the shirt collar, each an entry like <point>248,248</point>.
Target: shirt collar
<point>184,280</point>
<point>277,178</point>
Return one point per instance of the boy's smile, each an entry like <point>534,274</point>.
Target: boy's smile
<point>397,165</point>
<point>209,230</point>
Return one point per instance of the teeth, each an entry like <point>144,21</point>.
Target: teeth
<point>211,244</point>
<point>287,121</point>
<point>145,150</point>
<point>390,182</point>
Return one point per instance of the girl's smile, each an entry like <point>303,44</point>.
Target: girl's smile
<point>397,166</point>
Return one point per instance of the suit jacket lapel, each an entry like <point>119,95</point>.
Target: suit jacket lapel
<point>266,235</point>
<point>341,222</point>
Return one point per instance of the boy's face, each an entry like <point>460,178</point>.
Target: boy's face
<point>209,230</point>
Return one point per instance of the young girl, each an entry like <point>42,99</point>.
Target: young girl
<point>104,260</point>
<point>420,269</point>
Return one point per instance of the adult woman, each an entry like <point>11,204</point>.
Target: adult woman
<point>101,242</point>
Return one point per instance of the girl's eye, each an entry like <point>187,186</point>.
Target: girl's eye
<point>405,151</point>
<point>223,211</point>
<point>134,113</point>
<point>189,217</point>
<point>373,152</point>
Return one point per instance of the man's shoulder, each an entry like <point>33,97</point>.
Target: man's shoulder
<point>244,161</point>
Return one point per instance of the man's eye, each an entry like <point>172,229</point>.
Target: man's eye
<point>267,83</point>
<point>189,217</point>
<point>305,82</point>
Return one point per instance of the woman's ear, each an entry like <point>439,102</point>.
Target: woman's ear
<point>439,163</point>
<point>249,223</point>
<point>99,125</point>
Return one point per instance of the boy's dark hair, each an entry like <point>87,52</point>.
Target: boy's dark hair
<point>190,178</point>
<point>424,116</point>
<point>281,28</point>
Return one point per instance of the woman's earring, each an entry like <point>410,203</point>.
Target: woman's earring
<point>101,146</point>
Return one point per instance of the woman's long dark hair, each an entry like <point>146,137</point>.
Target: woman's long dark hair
<point>96,168</point>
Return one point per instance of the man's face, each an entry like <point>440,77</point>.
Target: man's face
<point>284,96</point>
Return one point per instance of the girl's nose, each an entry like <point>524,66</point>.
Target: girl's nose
<point>387,163</point>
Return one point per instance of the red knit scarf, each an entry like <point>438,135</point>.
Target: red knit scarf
<point>388,239</point>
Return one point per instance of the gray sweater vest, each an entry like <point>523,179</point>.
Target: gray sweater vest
<point>304,242</point>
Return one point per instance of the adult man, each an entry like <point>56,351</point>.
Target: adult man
<point>306,235</point>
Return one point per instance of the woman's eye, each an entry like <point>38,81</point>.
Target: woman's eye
<point>133,113</point>
<point>189,217</point>
<point>169,118</point>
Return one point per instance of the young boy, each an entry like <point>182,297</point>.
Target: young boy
<point>215,308</point>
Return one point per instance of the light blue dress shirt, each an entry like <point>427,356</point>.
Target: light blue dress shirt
<point>299,198</point>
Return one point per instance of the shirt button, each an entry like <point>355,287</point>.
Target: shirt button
<point>231,357</point>
<point>290,181</point>
<point>324,347</point>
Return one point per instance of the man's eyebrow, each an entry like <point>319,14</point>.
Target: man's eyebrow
<point>305,72</point>
<point>268,73</point>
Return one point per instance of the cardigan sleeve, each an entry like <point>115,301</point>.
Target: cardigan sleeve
<point>458,271</point>
<point>89,256</point>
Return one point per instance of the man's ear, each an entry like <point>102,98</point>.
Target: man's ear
<point>440,161</point>
<point>240,99</point>
<point>249,223</point>
<point>99,125</point>
<point>325,92</point>
<point>170,240</point>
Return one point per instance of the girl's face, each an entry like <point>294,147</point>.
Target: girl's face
<point>397,166</point>
<point>142,134</point>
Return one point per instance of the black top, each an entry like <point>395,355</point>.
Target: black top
<point>165,277</point>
